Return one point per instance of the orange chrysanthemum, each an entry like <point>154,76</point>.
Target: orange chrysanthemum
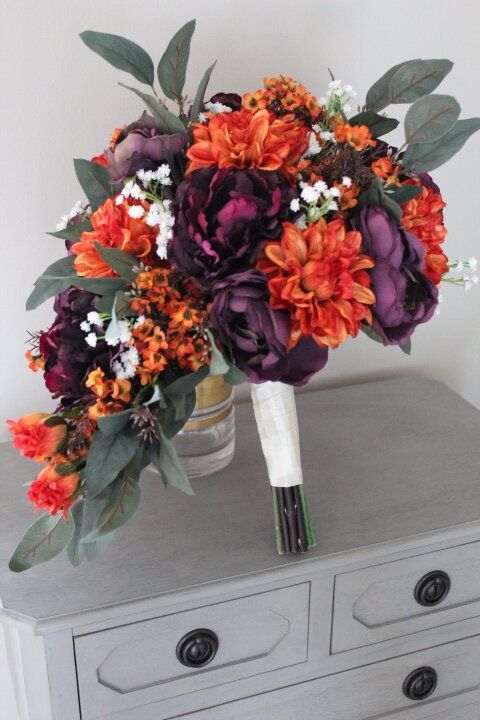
<point>243,139</point>
<point>319,275</point>
<point>34,439</point>
<point>358,137</point>
<point>112,227</point>
<point>53,492</point>
<point>423,216</point>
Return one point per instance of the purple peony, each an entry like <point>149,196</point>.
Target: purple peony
<point>405,297</point>
<point>68,357</point>
<point>223,219</point>
<point>258,335</point>
<point>142,146</point>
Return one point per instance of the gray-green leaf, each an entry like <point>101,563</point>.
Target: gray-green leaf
<point>123,504</point>
<point>95,181</point>
<point>402,193</point>
<point>168,464</point>
<point>417,78</point>
<point>172,67</point>
<point>218,365</point>
<point>122,54</point>
<point>406,347</point>
<point>45,539</point>
<point>428,156</point>
<point>378,96</point>
<point>108,455</point>
<point>56,278</point>
<point>72,232</point>
<point>377,124</point>
<point>200,94</point>
<point>113,424</point>
<point>430,117</point>
<point>121,262</point>
<point>370,332</point>
<point>166,121</point>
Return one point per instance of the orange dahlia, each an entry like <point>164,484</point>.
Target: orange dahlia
<point>114,228</point>
<point>52,491</point>
<point>319,275</point>
<point>423,216</point>
<point>34,439</point>
<point>244,139</point>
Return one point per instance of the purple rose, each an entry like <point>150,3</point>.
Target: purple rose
<point>224,217</point>
<point>405,297</point>
<point>142,146</point>
<point>258,335</point>
<point>231,100</point>
<point>68,357</point>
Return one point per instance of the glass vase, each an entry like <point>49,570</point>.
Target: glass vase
<point>206,442</point>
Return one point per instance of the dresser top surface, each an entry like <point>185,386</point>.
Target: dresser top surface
<point>382,461</point>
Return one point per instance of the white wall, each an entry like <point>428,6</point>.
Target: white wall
<point>60,101</point>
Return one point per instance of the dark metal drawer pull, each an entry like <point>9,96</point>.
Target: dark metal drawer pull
<point>432,588</point>
<point>197,648</point>
<point>420,684</point>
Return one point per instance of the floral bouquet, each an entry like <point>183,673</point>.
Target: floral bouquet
<point>243,236</point>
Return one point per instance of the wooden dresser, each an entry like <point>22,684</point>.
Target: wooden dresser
<point>191,613</point>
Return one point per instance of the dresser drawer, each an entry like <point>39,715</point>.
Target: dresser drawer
<point>165,657</point>
<point>373,692</point>
<point>406,596</point>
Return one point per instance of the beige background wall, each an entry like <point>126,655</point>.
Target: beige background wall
<point>59,101</point>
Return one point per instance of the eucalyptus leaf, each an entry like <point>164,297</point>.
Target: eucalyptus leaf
<point>218,364</point>
<point>122,54</point>
<point>187,383</point>
<point>75,549</point>
<point>417,78</point>
<point>168,464</point>
<point>157,396</point>
<point>113,424</point>
<point>45,539</point>
<point>73,232</point>
<point>166,121</point>
<point>234,376</point>
<point>200,94</point>
<point>402,193</point>
<point>376,195</point>
<point>108,455</point>
<point>172,67</point>
<point>422,157</point>
<point>100,286</point>
<point>378,97</point>
<point>406,347</point>
<point>56,278</point>
<point>430,117</point>
<point>123,504</point>
<point>95,181</point>
<point>121,262</point>
<point>377,124</point>
<point>173,422</point>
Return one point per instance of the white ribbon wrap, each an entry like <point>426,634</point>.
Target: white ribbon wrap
<point>276,416</point>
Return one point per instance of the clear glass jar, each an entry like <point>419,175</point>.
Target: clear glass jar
<point>206,443</point>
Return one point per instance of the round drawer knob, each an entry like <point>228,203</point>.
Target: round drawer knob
<point>432,588</point>
<point>420,684</point>
<point>197,648</point>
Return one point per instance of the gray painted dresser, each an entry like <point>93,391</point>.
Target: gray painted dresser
<point>380,620</point>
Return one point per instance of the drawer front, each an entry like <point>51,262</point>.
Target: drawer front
<point>144,662</point>
<point>406,596</point>
<point>373,692</point>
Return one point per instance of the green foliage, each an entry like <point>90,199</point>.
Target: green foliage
<point>95,182</point>
<point>402,193</point>
<point>166,121</point>
<point>72,232</point>
<point>200,94</point>
<point>417,78</point>
<point>172,67</point>
<point>187,383</point>
<point>85,513</point>
<point>121,506</point>
<point>113,424</point>
<point>108,455</point>
<point>370,332</point>
<point>123,54</point>
<point>406,347</point>
<point>378,96</point>
<point>174,419</point>
<point>218,365</point>
<point>430,117</point>
<point>167,462</point>
<point>234,376</point>
<point>45,539</point>
<point>377,124</point>
<point>422,157</point>
<point>121,262</point>
<point>376,195</point>
<point>55,279</point>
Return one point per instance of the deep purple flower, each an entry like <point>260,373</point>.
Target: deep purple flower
<point>68,357</point>
<point>258,335</point>
<point>231,100</point>
<point>224,217</point>
<point>142,146</point>
<point>405,297</point>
